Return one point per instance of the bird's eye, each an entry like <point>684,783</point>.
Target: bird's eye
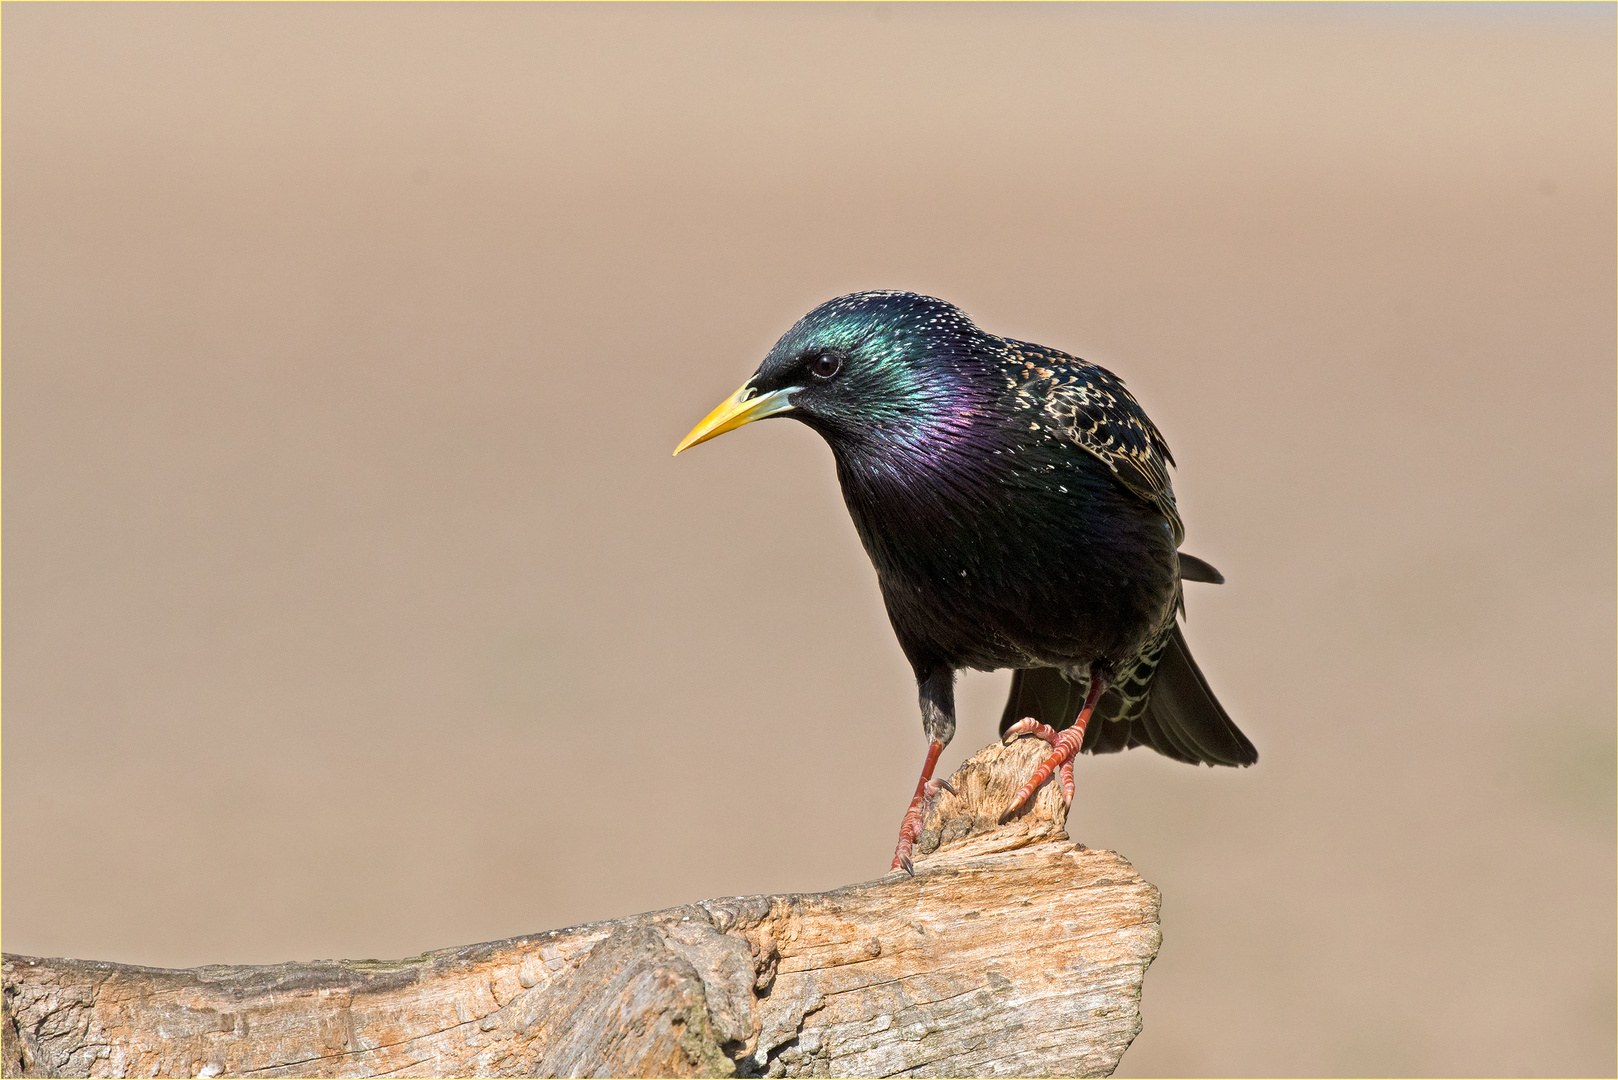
<point>825,365</point>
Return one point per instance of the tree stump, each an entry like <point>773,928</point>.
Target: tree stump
<point>1012,952</point>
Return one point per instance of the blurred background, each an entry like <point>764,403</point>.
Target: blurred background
<point>354,606</point>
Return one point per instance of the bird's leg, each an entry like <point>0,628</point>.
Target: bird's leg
<point>938,720</point>
<point>1064,745</point>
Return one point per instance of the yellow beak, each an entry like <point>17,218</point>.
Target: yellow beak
<point>736,410</point>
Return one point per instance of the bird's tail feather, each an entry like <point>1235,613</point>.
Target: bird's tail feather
<point>1182,707</point>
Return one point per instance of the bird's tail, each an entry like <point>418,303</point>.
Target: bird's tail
<point>1179,716</point>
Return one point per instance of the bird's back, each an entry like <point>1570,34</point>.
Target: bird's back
<point>1158,698</point>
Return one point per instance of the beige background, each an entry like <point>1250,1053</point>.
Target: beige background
<point>354,606</point>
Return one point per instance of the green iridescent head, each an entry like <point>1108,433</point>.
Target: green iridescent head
<point>869,369</point>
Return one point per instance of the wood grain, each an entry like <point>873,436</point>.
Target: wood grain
<point>1012,952</point>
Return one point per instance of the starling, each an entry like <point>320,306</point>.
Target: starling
<point>1016,504</point>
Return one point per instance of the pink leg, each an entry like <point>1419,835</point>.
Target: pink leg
<point>1064,745</point>
<point>910,828</point>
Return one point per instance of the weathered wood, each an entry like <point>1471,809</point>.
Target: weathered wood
<point>1012,952</point>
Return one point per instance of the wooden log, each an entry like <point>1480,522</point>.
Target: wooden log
<point>1012,952</point>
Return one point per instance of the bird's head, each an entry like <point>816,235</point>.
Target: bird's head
<point>872,367</point>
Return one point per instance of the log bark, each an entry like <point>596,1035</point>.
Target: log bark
<point>1012,952</point>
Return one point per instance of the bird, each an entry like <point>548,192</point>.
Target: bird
<point>1015,502</point>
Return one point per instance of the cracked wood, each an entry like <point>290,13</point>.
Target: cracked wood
<point>1012,952</point>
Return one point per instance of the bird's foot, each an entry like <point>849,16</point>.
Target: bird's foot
<point>1029,726</point>
<point>1064,745</point>
<point>910,828</point>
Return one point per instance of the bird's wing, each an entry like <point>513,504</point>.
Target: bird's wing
<point>1089,406</point>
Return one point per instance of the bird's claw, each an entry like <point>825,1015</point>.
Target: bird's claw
<point>1029,726</point>
<point>901,858</point>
